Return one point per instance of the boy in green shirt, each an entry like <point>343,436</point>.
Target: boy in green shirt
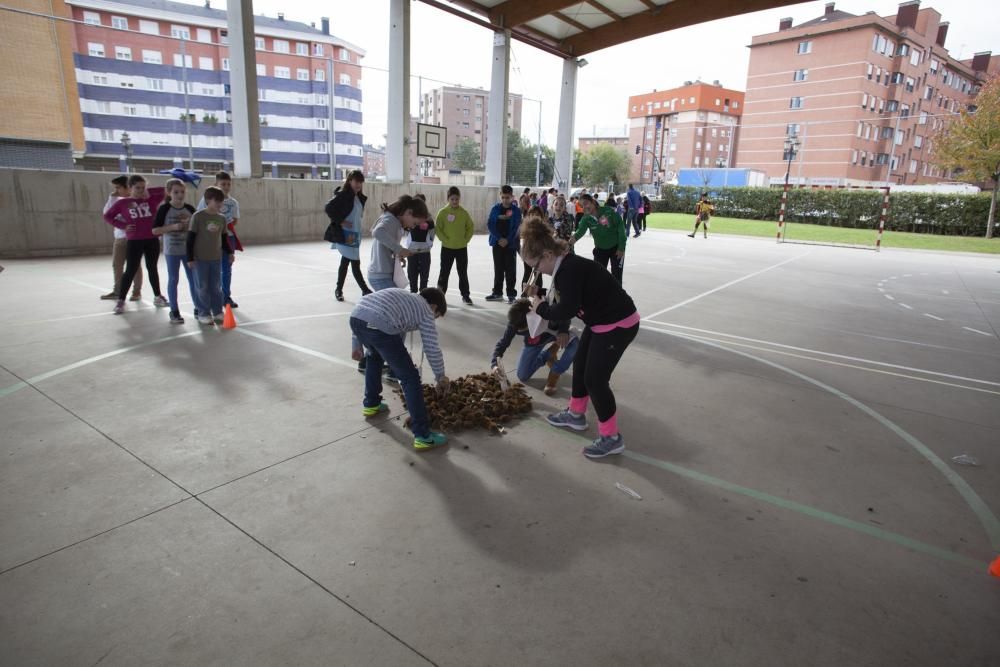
<point>454,228</point>
<point>609,233</point>
<point>206,247</point>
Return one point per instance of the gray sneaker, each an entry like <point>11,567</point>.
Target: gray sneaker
<point>606,445</point>
<point>568,420</point>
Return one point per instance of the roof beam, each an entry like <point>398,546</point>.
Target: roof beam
<point>650,4</point>
<point>600,7</point>
<point>567,20</point>
<point>529,37</point>
<point>677,14</point>
<point>516,12</point>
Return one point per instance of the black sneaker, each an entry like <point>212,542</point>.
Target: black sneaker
<point>511,299</point>
<point>232,304</point>
<point>338,295</point>
<point>495,297</point>
<point>175,317</point>
<point>362,365</point>
<point>466,300</point>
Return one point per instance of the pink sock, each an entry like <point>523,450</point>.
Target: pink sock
<point>579,405</point>
<point>609,427</point>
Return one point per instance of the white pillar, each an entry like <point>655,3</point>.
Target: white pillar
<point>243,87</point>
<point>567,121</point>
<point>496,119</point>
<point>397,150</point>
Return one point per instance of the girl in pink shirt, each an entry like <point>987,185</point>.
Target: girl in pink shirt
<point>136,215</point>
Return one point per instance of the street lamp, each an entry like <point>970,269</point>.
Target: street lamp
<point>127,145</point>
<point>791,148</point>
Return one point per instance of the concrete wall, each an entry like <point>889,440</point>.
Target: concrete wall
<point>50,213</point>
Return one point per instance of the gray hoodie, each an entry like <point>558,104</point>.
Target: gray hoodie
<point>387,233</point>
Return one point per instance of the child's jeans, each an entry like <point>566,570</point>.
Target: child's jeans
<point>209,286</point>
<point>174,262</point>
<point>380,281</point>
<point>418,267</point>
<point>534,357</point>
<point>226,271</point>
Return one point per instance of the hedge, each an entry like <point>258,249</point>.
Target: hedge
<point>954,215</point>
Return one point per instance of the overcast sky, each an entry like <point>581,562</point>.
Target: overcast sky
<point>447,49</point>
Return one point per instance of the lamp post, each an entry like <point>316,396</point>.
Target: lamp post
<point>791,147</point>
<point>127,145</point>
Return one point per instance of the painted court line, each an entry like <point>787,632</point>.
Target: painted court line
<point>934,317</point>
<point>890,297</point>
<point>982,511</point>
<point>829,354</point>
<point>724,286</point>
<point>784,503</point>
<point>903,305</point>
<point>978,331</point>
<point>299,348</point>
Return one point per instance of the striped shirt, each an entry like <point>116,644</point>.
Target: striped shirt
<point>396,311</point>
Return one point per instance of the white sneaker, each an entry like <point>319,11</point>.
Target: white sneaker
<point>160,302</point>
<point>219,318</point>
<point>204,319</point>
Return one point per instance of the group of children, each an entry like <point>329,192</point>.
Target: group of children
<point>202,240</point>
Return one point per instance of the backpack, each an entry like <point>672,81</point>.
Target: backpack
<point>334,232</point>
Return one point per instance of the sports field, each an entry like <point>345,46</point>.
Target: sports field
<point>187,495</point>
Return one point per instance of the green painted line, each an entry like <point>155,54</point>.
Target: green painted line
<point>784,503</point>
<point>976,504</point>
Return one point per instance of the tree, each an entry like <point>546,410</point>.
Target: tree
<point>467,155</point>
<point>604,163</point>
<point>969,146</point>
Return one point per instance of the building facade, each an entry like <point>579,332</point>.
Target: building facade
<point>374,161</point>
<point>863,95</point>
<point>694,125</point>
<point>464,112</point>
<point>159,71</point>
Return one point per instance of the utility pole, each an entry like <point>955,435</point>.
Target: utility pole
<point>187,107</point>
<point>331,134</point>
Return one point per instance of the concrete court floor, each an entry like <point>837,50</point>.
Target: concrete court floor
<point>173,495</point>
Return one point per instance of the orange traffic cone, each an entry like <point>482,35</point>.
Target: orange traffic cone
<point>995,567</point>
<point>228,319</point>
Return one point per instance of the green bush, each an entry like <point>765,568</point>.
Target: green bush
<point>957,215</point>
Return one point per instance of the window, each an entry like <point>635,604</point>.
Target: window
<point>923,118</point>
<point>893,105</point>
<point>864,100</point>
<point>870,70</point>
<point>800,75</point>
<point>697,145</point>
<point>261,70</point>
<point>280,46</point>
<point>119,22</point>
<point>302,74</point>
<point>258,43</point>
<point>715,132</point>
<point>345,55</point>
<point>795,103</point>
<point>708,146</point>
<point>204,35</point>
<point>154,84</point>
<point>904,50</point>
<point>918,141</point>
<point>207,90</point>
<point>95,49</point>
<point>180,32</point>
<point>792,129</point>
<point>262,95</point>
<point>319,75</point>
<point>225,64</point>
<point>854,157</point>
<point>904,110</point>
<point>317,49</point>
<point>126,83</point>
<point>157,112</point>
<point>100,80</point>
<point>123,53</point>
<point>92,18</point>
<point>692,100</point>
<point>282,72</point>
<point>934,65</point>
<point>301,49</point>
<point>913,166</point>
<point>152,57</point>
<point>320,147</point>
<point>130,110</point>
<point>104,107</point>
<point>928,92</point>
<point>108,135</point>
<point>321,123</point>
<point>185,61</point>
<point>897,77</point>
<point>149,27</point>
<point>804,47</point>
<point>223,37</point>
<point>886,133</point>
<point>180,86</point>
<point>915,57</point>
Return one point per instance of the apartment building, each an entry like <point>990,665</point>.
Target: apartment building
<point>464,112</point>
<point>694,125</point>
<point>586,143</point>
<point>148,67</point>
<point>863,95</point>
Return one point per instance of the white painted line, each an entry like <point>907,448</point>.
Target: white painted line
<point>831,354</point>
<point>722,287</point>
<point>890,297</point>
<point>892,277</point>
<point>825,361</point>
<point>978,331</point>
<point>298,348</point>
<point>925,274</point>
<point>944,291</point>
<point>903,305</point>
<point>934,317</point>
<point>907,275</point>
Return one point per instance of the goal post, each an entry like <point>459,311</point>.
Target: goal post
<point>859,212</point>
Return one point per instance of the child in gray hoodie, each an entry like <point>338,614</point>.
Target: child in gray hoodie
<point>402,215</point>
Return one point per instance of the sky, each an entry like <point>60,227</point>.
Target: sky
<point>446,49</point>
